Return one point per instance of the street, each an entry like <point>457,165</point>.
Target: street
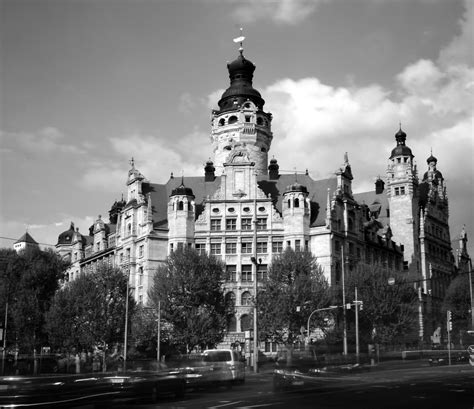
<point>423,387</point>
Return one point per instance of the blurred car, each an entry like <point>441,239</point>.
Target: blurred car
<point>307,373</point>
<point>67,391</point>
<point>227,363</point>
<point>211,368</point>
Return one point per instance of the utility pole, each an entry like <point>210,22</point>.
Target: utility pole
<point>344,340</point>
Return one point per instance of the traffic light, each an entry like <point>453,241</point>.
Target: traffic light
<point>449,321</point>
<point>361,305</point>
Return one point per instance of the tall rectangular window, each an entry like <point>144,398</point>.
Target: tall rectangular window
<point>246,223</point>
<point>297,245</point>
<point>262,247</point>
<point>262,223</point>
<point>231,273</point>
<point>246,247</point>
<point>231,248</point>
<point>246,272</point>
<point>140,251</point>
<point>262,272</point>
<point>215,248</point>
<point>201,248</point>
<point>277,246</point>
<point>215,224</point>
<point>231,224</point>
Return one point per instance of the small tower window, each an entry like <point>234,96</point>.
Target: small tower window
<point>247,118</point>
<point>297,202</point>
<point>232,119</point>
<point>180,205</point>
<point>289,203</point>
<point>259,121</point>
<point>222,122</point>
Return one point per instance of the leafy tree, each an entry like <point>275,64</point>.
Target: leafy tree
<point>29,282</point>
<point>458,301</point>
<point>389,312</point>
<point>189,286</point>
<point>90,310</point>
<point>294,280</point>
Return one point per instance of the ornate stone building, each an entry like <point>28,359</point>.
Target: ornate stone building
<point>243,210</point>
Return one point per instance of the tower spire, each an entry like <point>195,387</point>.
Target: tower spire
<point>240,40</point>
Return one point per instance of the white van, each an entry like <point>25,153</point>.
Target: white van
<point>228,362</point>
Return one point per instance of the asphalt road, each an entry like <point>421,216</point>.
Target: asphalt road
<point>420,388</point>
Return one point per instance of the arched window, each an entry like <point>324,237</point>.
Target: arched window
<point>129,228</point>
<point>232,120</point>
<point>230,299</point>
<point>297,202</point>
<point>222,122</point>
<point>246,298</point>
<point>180,205</point>
<point>259,121</point>
<point>289,203</point>
<point>232,324</point>
<point>245,323</point>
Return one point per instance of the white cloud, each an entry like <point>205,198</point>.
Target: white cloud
<point>43,141</point>
<point>155,157</point>
<point>281,12</point>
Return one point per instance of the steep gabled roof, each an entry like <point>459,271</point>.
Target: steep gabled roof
<point>26,238</point>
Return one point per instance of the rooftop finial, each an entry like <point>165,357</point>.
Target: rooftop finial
<point>240,40</point>
<point>132,162</point>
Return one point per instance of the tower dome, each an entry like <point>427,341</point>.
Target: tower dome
<point>296,187</point>
<point>241,89</point>
<point>66,236</point>
<point>182,190</point>
<point>401,149</point>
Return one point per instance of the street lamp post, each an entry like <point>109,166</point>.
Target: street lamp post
<point>331,307</point>
<point>125,337</point>
<point>4,337</point>
<point>158,336</point>
<point>470,293</point>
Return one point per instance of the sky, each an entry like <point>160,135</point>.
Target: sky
<point>86,85</point>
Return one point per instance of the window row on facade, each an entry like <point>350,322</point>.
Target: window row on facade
<point>231,223</point>
<point>245,274</point>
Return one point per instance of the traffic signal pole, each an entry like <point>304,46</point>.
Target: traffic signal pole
<point>448,327</point>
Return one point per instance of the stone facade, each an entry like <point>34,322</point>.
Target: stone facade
<point>245,211</point>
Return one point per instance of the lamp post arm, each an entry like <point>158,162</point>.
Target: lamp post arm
<point>315,311</point>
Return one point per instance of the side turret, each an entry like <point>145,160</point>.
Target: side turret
<point>181,217</point>
<point>296,216</point>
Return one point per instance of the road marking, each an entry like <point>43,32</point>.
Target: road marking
<point>225,404</point>
<point>258,406</point>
